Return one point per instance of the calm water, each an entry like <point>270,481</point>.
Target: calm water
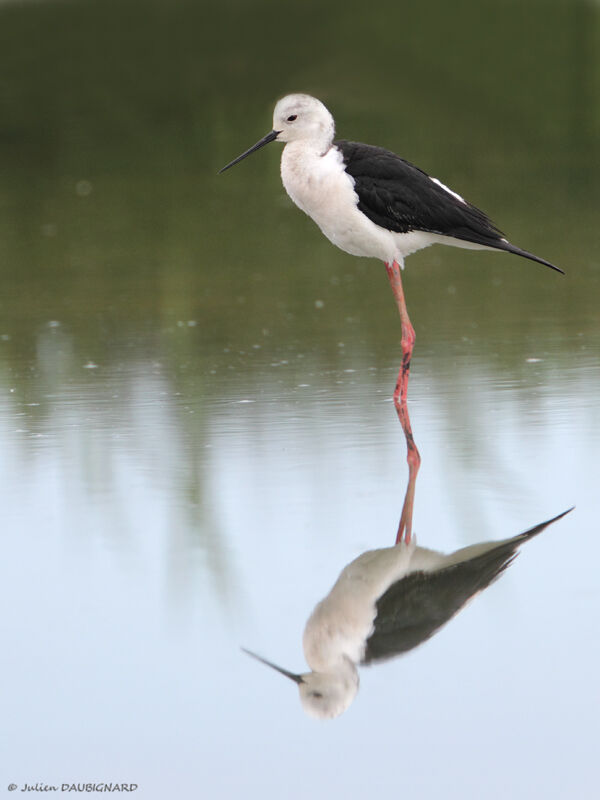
<point>195,418</point>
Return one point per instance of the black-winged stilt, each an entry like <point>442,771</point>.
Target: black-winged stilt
<point>385,603</point>
<point>370,202</point>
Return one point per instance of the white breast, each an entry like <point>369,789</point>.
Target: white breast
<point>342,621</point>
<point>319,185</point>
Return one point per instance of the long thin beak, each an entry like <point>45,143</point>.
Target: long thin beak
<point>265,140</point>
<point>291,675</point>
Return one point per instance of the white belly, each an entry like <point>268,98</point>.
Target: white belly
<point>320,186</point>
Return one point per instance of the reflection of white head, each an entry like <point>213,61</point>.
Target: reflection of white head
<point>324,695</point>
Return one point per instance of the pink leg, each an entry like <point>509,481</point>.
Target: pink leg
<point>412,454</point>
<point>408,332</point>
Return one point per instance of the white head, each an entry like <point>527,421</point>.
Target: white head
<point>297,117</point>
<point>300,116</point>
<point>324,695</point>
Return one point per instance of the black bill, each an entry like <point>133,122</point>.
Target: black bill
<point>292,675</point>
<point>265,140</point>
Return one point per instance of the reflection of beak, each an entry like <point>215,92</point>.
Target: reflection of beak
<point>291,675</point>
<point>265,140</point>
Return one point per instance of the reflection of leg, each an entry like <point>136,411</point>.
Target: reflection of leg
<point>412,454</point>
<point>408,332</point>
<point>414,461</point>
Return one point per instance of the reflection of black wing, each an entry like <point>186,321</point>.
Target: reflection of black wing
<point>414,608</point>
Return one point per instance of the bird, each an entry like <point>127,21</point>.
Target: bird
<point>371,202</point>
<point>385,603</point>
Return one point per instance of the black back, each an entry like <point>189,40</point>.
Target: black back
<point>400,197</point>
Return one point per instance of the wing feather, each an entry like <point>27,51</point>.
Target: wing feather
<point>398,196</point>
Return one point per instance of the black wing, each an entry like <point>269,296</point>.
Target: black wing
<point>400,197</point>
<point>414,608</point>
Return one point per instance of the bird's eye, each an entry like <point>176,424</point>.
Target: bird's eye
<point>318,695</point>
<point>292,117</point>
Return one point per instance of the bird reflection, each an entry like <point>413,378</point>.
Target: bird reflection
<point>386,602</point>
<point>390,600</point>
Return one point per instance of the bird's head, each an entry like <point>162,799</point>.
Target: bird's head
<point>302,117</point>
<point>324,695</point>
<point>296,117</point>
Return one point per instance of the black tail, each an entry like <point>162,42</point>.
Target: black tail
<point>526,535</point>
<point>482,570</point>
<point>502,244</point>
<point>490,565</point>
